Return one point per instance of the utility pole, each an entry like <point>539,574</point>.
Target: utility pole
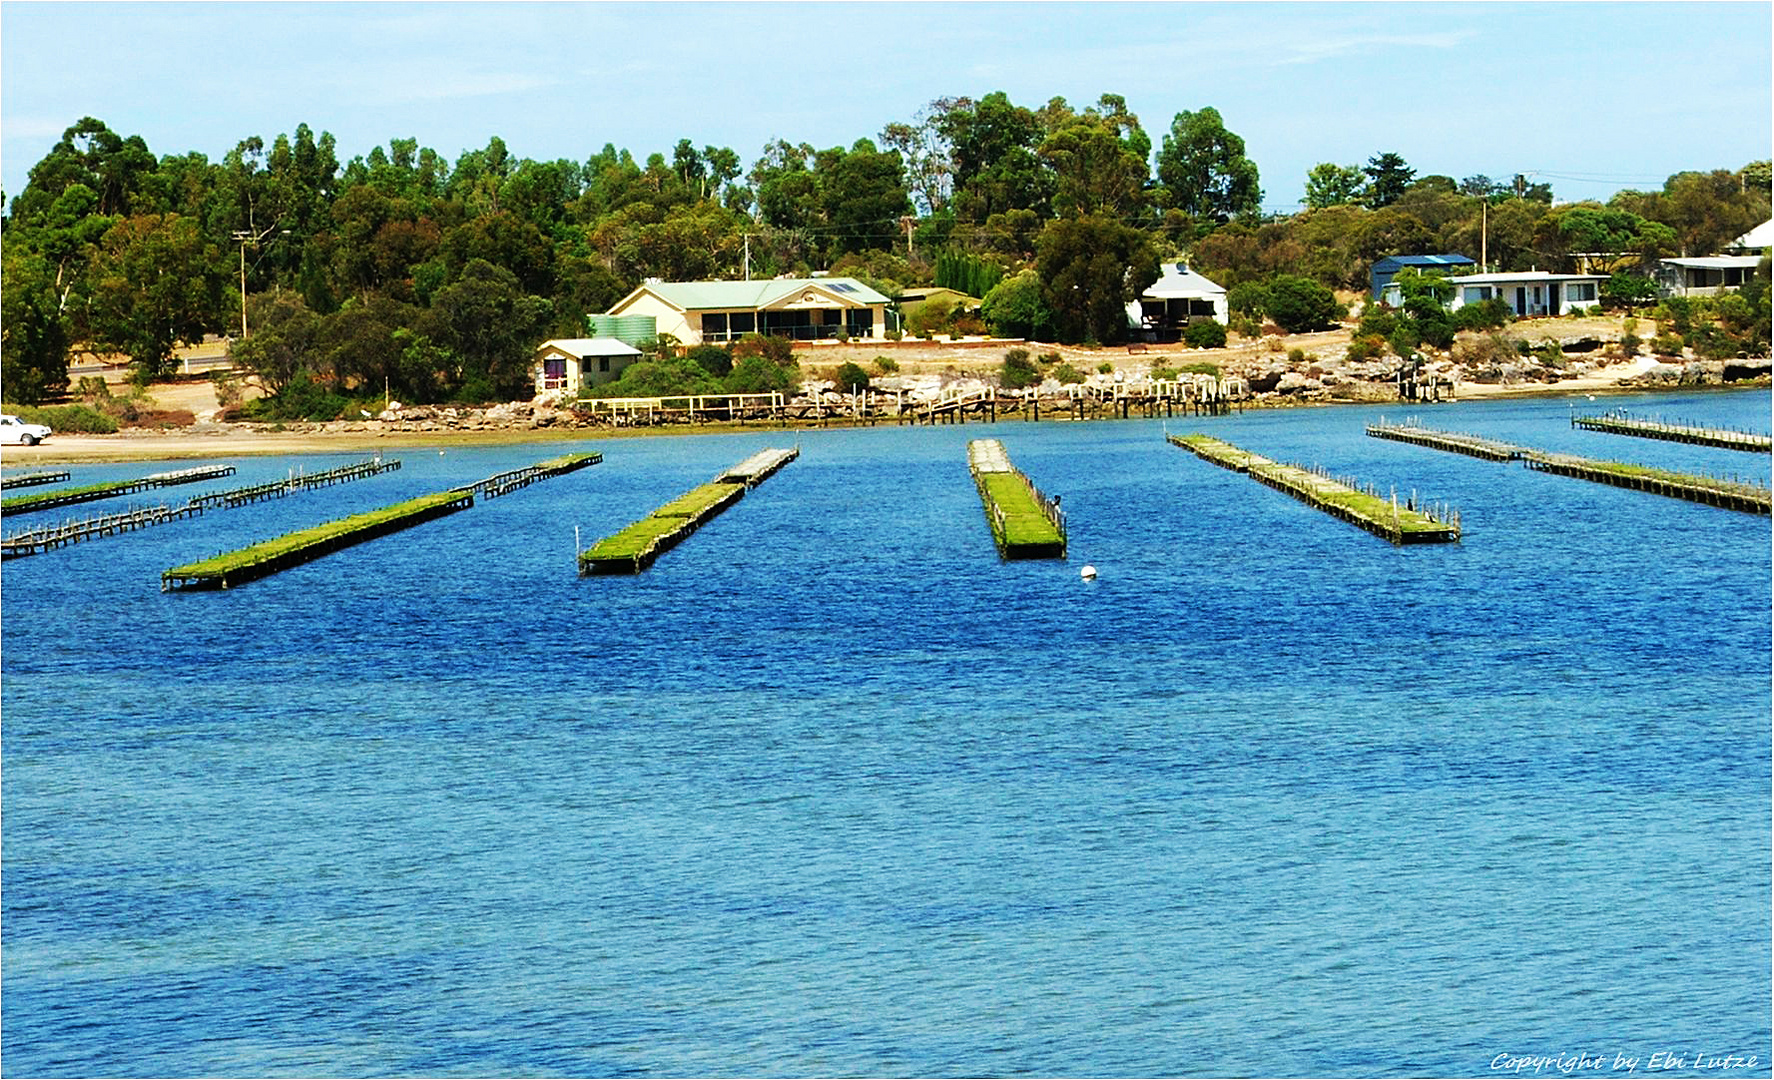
<point>245,237</point>
<point>748,256</point>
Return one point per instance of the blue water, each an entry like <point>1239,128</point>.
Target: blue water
<point>832,791</point>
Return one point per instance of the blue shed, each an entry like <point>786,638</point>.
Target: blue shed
<point>1386,269</point>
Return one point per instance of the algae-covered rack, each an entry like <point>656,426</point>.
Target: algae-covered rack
<point>109,489</point>
<point>1362,507</point>
<point>1713,491</point>
<point>1751,498</point>
<point>1025,523</point>
<point>32,479</point>
<point>305,545</point>
<point>636,546</point>
<point>1457,442</point>
<point>1618,423</point>
<point>502,483</point>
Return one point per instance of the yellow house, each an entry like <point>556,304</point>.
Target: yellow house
<point>566,364</point>
<point>805,309</point>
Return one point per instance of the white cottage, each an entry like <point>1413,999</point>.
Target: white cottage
<point>1707,275</point>
<point>566,364</point>
<point>1527,292</point>
<point>1179,297</point>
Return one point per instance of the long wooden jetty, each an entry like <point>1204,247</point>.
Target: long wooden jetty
<point>61,534</point>
<point>637,545</point>
<point>759,467</point>
<point>301,481</point>
<point>1025,523</point>
<point>1618,423</point>
<point>109,489</point>
<point>64,533</point>
<point>1457,442</point>
<point>1361,506</point>
<point>506,482</point>
<point>33,479</point>
<point>1712,491</point>
<point>259,560</point>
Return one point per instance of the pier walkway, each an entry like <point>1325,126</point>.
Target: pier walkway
<point>22,480</point>
<point>109,489</point>
<point>506,482</point>
<point>1362,506</point>
<point>1618,423</point>
<point>1457,442</point>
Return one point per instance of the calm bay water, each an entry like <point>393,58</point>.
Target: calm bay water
<point>831,790</point>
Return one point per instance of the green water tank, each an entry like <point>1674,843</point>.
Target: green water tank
<point>629,329</point>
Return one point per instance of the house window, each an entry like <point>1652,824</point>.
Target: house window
<point>714,326</point>
<point>1477,294</point>
<point>742,322</point>
<point>603,363</point>
<point>1580,292</point>
<point>860,322</point>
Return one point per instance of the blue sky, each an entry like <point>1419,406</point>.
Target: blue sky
<point>1591,97</point>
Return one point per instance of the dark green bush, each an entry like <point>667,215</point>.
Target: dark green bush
<point>777,350</point>
<point>713,359</point>
<point>1206,334</point>
<point>67,419</point>
<point>1299,304</point>
<point>1017,371</point>
<point>850,378</point>
<point>303,399</point>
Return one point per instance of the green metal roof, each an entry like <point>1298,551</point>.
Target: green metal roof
<point>753,295</point>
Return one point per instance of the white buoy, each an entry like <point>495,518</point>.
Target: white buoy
<point>1088,573</point>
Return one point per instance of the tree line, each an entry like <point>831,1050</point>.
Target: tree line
<point>401,272</point>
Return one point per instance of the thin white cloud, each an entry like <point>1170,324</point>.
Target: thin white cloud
<point>460,85</point>
<point>1313,49</point>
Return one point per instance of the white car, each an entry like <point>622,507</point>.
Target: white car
<point>14,430</point>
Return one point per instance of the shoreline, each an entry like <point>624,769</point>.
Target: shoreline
<point>240,440</point>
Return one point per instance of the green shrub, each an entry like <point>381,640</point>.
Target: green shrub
<point>1629,344</point>
<point>301,399</point>
<point>886,365</point>
<point>713,359</point>
<point>1105,368</point>
<point>1050,358</point>
<point>1245,326</point>
<point>1066,374</point>
<point>1299,304</point>
<point>1206,334</point>
<point>1666,345</point>
<point>778,350</point>
<point>759,374</point>
<point>1492,314</point>
<point>1202,367</point>
<point>850,378</point>
<point>1627,290</point>
<point>67,419</point>
<point>1366,346</point>
<point>1248,298</point>
<point>1017,371</point>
